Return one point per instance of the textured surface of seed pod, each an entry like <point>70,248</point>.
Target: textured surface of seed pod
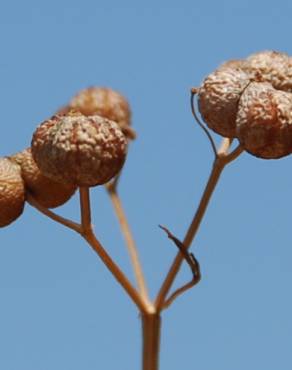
<point>234,63</point>
<point>12,192</point>
<point>104,102</point>
<point>264,121</point>
<point>47,192</point>
<point>79,150</point>
<point>269,66</point>
<point>218,99</point>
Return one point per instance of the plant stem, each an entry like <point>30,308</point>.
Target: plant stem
<point>221,160</point>
<point>116,271</point>
<point>211,184</point>
<point>151,325</point>
<point>130,243</point>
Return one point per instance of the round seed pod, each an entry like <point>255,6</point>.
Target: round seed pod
<point>12,192</point>
<point>264,121</point>
<point>218,99</point>
<point>104,102</point>
<point>269,66</point>
<point>47,192</point>
<point>79,150</point>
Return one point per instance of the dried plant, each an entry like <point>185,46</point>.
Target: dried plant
<point>85,145</point>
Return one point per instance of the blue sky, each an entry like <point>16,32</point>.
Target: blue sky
<point>60,308</point>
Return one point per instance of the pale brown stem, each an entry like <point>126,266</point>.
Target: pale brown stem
<point>116,271</point>
<point>151,326</point>
<point>64,221</point>
<point>85,208</point>
<point>221,160</point>
<point>130,243</point>
<point>89,236</point>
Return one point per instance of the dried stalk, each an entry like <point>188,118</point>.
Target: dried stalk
<point>130,243</point>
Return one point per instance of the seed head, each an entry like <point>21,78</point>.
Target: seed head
<point>264,121</point>
<point>106,103</point>
<point>218,99</point>
<point>12,192</point>
<point>79,150</point>
<point>47,192</point>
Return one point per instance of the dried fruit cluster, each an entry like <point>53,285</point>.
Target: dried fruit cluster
<point>251,100</point>
<point>84,147</point>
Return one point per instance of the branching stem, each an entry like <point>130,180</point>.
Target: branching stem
<point>130,243</point>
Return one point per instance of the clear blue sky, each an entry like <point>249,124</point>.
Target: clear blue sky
<point>60,309</point>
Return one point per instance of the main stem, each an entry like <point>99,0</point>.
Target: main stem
<point>151,325</point>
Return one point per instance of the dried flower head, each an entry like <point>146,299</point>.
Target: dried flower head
<point>264,121</point>
<point>104,102</point>
<point>79,150</point>
<point>218,99</point>
<point>47,192</point>
<point>12,192</point>
<point>269,66</point>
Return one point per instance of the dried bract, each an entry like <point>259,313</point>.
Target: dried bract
<point>218,99</point>
<point>46,192</point>
<point>12,192</point>
<point>264,121</point>
<point>79,150</point>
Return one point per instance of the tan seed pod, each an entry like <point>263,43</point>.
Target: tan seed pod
<point>79,150</point>
<point>104,102</point>
<point>47,192</point>
<point>218,99</point>
<point>234,63</point>
<point>269,66</point>
<point>12,192</point>
<point>264,121</point>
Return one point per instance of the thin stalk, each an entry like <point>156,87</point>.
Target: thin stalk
<point>151,326</point>
<point>130,243</point>
<point>85,208</point>
<point>55,217</point>
<point>116,271</point>
<point>91,239</point>
<point>221,160</point>
<point>194,226</point>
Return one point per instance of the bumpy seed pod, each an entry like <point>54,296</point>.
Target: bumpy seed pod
<point>104,102</point>
<point>79,150</point>
<point>234,63</point>
<point>12,192</point>
<point>269,66</point>
<point>264,121</point>
<point>218,99</point>
<point>47,192</point>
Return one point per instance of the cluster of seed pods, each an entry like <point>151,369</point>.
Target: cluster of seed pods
<point>85,144</point>
<point>251,100</point>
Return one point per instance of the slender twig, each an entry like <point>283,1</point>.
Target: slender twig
<point>218,166</point>
<point>178,292</point>
<point>206,131</point>
<point>64,221</point>
<point>85,208</point>
<point>130,243</point>
<point>116,271</point>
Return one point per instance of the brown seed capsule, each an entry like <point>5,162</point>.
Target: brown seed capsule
<point>269,66</point>
<point>218,99</point>
<point>47,192</point>
<point>106,103</point>
<point>12,192</point>
<point>79,150</point>
<point>264,121</point>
